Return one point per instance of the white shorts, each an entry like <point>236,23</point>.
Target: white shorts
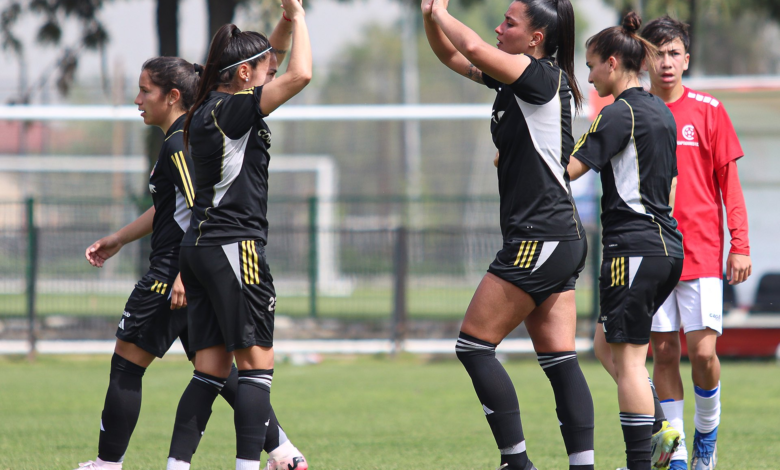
<point>694,305</point>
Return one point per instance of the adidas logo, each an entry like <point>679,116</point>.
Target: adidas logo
<point>122,324</point>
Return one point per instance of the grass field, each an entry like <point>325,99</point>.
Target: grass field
<point>353,413</point>
<point>439,303</point>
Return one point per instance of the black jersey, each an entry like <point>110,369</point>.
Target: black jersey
<point>229,142</point>
<point>172,192</point>
<point>633,144</point>
<point>531,127</point>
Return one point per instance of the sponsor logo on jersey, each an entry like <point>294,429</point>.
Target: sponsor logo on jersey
<point>716,316</point>
<point>688,132</point>
<point>265,135</point>
<point>152,188</point>
<point>497,116</point>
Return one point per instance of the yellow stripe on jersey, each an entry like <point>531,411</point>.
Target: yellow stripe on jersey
<point>248,91</point>
<point>533,250</point>
<point>618,271</point>
<point>189,193</point>
<point>519,253</point>
<point>612,271</point>
<point>525,253</point>
<point>244,259</point>
<point>174,132</point>
<point>593,127</point>
<point>622,271</point>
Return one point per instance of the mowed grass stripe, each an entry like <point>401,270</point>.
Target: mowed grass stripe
<point>353,413</point>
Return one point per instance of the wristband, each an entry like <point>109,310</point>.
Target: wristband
<point>285,17</point>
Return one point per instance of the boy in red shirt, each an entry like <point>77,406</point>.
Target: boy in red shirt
<point>707,151</point>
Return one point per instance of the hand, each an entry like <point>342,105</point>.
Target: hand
<point>426,6</point>
<point>438,5</point>
<point>495,160</point>
<point>293,8</point>
<point>178,299</point>
<point>738,268</point>
<point>101,250</point>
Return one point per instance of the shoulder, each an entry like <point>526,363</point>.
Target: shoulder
<point>704,102</point>
<point>173,143</point>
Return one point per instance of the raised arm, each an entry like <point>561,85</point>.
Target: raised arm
<point>299,70</point>
<point>281,37</point>
<point>476,53</point>
<point>444,49</point>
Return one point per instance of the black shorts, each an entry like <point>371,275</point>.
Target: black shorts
<point>632,289</point>
<point>541,268</point>
<point>230,295</point>
<point>148,321</point>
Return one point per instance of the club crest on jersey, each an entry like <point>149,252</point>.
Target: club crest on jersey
<point>497,116</point>
<point>688,132</point>
<point>265,135</point>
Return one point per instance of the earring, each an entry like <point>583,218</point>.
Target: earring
<point>246,79</point>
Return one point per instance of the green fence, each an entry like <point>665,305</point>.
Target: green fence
<point>348,259</point>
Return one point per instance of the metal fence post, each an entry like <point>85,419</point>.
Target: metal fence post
<point>32,272</point>
<point>595,250</point>
<point>400,275</point>
<point>313,268</point>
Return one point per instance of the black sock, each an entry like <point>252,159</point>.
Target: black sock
<point>121,408</point>
<point>228,392</point>
<point>499,400</point>
<point>274,435</point>
<point>637,434</point>
<point>659,416</point>
<point>193,414</point>
<point>252,412</point>
<point>574,406</point>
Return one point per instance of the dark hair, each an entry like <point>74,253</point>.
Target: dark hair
<point>173,72</point>
<point>624,42</point>
<point>556,18</point>
<point>229,45</point>
<point>666,29</point>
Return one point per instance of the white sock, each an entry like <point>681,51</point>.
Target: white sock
<point>707,415</point>
<point>285,449</point>
<point>108,465</point>
<point>243,464</point>
<point>673,410</point>
<point>174,464</point>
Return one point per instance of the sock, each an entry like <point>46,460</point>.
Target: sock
<point>252,414</point>
<point>659,416</point>
<point>637,434</point>
<point>174,464</point>
<point>244,464</point>
<point>707,415</point>
<point>498,397</point>
<point>274,435</point>
<point>228,392</point>
<point>574,406</point>
<point>673,409</point>
<point>283,451</point>
<point>121,408</point>
<point>193,414</point>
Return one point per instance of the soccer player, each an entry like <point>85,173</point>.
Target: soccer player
<point>155,314</point>
<point>229,286</point>
<point>707,153</point>
<point>632,145</point>
<point>533,276</point>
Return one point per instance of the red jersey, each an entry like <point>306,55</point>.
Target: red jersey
<point>706,143</point>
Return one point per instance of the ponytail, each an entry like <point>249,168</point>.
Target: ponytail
<point>229,45</point>
<point>624,42</point>
<point>556,18</point>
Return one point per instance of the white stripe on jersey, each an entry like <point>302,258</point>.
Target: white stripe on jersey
<point>547,250</point>
<point>633,267</point>
<point>182,215</point>
<point>625,167</point>
<point>232,161</point>
<point>544,126</point>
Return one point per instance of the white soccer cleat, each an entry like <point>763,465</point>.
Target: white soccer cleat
<point>100,465</point>
<point>295,461</point>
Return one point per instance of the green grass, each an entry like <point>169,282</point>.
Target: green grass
<point>353,413</point>
<point>439,303</point>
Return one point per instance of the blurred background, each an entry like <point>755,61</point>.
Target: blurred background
<point>383,197</point>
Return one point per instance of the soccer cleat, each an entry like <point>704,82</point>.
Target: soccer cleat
<point>296,461</point>
<point>100,465</point>
<point>678,465</point>
<point>705,450</point>
<point>663,445</point>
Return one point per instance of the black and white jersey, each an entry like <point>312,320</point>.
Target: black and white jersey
<point>531,127</point>
<point>633,144</point>
<point>172,192</point>
<point>229,143</point>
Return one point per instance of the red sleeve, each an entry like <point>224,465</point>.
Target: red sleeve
<point>736,213</point>
<point>725,144</point>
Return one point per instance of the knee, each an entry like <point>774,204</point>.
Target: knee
<point>666,353</point>
<point>603,354</point>
<point>467,347</point>
<point>702,357</point>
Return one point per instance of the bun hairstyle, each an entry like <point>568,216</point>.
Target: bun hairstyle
<point>173,72</point>
<point>229,46</point>
<point>666,29</point>
<point>556,19</point>
<point>624,42</point>
<point>198,69</point>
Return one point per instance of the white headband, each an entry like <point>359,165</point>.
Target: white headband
<point>246,60</point>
